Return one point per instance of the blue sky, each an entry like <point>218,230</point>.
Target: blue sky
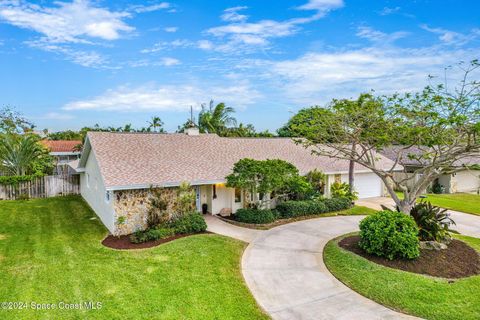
<point>72,64</point>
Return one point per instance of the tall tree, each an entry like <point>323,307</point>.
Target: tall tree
<point>156,124</point>
<point>12,121</point>
<point>216,119</point>
<point>21,154</point>
<point>441,125</point>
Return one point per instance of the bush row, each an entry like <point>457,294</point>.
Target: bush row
<point>189,223</point>
<point>256,216</point>
<point>291,209</point>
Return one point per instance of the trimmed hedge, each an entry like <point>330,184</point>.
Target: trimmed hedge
<point>189,223</point>
<point>390,234</point>
<point>291,209</point>
<point>255,216</point>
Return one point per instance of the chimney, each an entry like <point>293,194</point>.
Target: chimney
<point>192,131</point>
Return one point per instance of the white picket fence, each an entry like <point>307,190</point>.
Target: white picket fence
<point>42,187</point>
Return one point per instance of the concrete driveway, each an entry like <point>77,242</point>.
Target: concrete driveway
<point>284,269</point>
<point>467,224</point>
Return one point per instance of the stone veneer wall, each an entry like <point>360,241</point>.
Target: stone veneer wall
<point>134,205</point>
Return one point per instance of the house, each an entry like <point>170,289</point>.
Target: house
<point>465,179</point>
<point>117,170</point>
<point>66,154</point>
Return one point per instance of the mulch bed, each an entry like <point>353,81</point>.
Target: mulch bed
<point>458,261</point>
<point>123,242</point>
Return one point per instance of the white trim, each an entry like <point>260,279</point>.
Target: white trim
<point>166,184</point>
<point>72,153</point>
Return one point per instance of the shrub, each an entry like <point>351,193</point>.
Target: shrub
<point>151,234</point>
<point>342,190</point>
<point>433,222</point>
<point>192,222</point>
<point>390,234</point>
<point>337,204</point>
<point>255,216</point>
<point>289,209</point>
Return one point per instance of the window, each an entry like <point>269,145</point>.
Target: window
<point>87,179</point>
<point>238,195</point>
<point>214,192</point>
<point>107,197</point>
<point>261,195</point>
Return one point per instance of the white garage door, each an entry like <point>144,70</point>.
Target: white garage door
<point>368,185</point>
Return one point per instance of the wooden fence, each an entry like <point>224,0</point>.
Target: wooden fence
<point>43,187</point>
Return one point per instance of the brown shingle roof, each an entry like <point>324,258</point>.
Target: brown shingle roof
<point>407,156</point>
<point>61,145</point>
<point>136,159</point>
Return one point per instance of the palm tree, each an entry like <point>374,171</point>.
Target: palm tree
<point>216,119</point>
<point>18,153</point>
<point>155,123</point>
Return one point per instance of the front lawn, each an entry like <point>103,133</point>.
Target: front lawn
<point>419,295</point>
<point>51,252</point>
<point>464,202</point>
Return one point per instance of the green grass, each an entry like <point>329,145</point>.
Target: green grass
<point>464,202</point>
<point>50,251</point>
<point>354,211</point>
<point>422,296</point>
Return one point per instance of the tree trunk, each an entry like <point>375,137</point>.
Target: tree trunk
<point>405,206</point>
<point>351,171</point>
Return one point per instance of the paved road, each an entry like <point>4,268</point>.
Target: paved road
<point>284,269</point>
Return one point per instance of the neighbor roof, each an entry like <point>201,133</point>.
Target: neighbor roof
<point>61,145</point>
<point>407,152</point>
<point>134,160</point>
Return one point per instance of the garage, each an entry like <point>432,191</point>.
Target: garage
<point>368,185</point>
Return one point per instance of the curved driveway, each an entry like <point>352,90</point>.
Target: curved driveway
<point>284,269</point>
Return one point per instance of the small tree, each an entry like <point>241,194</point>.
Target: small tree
<point>317,179</point>
<point>441,125</point>
<point>185,199</point>
<point>275,176</point>
<point>158,210</point>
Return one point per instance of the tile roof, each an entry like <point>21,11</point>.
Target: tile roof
<point>139,159</point>
<point>61,145</point>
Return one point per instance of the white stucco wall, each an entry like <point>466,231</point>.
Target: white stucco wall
<point>93,191</point>
<point>225,199</point>
<point>465,181</point>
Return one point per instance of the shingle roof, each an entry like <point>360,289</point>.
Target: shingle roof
<point>137,159</point>
<point>406,154</point>
<point>61,145</point>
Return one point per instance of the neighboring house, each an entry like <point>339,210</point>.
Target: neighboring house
<point>66,154</point>
<point>117,170</point>
<point>464,180</point>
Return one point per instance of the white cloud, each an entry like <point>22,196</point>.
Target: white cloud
<point>232,15</point>
<point>379,36</point>
<point>57,116</point>
<point>318,77</point>
<point>90,58</point>
<point>166,98</point>
<point>167,61</point>
<point>322,5</point>
<point>240,34</point>
<point>205,45</point>
<point>170,45</point>
<point>171,29</point>
<point>388,11</point>
<point>452,37</point>
<point>76,21</point>
<point>150,8</point>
